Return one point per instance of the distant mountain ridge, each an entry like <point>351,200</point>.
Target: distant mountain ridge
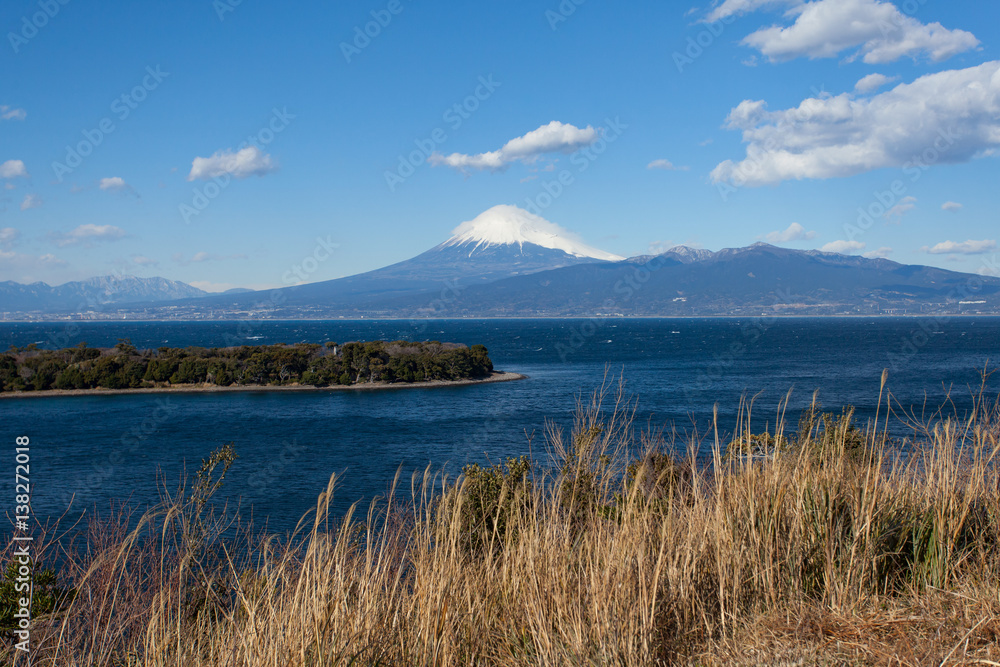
<point>83,295</point>
<point>507,262</point>
<point>502,242</point>
<point>758,279</point>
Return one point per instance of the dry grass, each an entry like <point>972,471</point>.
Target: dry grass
<point>822,552</point>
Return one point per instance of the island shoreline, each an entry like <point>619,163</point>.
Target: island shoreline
<point>496,376</point>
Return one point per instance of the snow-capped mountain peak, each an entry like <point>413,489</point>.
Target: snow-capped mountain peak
<point>687,254</point>
<point>507,225</point>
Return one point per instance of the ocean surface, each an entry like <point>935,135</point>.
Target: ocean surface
<point>100,450</point>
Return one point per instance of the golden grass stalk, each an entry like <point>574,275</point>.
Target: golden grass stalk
<point>833,545</point>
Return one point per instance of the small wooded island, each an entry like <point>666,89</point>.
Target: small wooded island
<point>303,365</point>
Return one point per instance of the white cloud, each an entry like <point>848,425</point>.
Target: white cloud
<point>963,248</point>
<point>250,161</point>
<point>203,256</point>
<point>493,161</point>
<point>665,165</point>
<point>843,247</point>
<point>142,260</point>
<point>115,184</point>
<point>950,116</point>
<point>895,214</point>
<point>660,247</point>
<point>878,30</point>
<point>31,201</point>
<point>734,7</point>
<point>12,169</point>
<point>211,287</point>
<point>873,82</point>
<point>555,137</point>
<point>24,268</point>
<point>8,236</point>
<point>951,206</point>
<point>88,234</point>
<point>795,232</point>
<point>10,113</point>
<point>881,253</point>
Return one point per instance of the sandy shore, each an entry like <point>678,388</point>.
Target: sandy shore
<point>497,376</point>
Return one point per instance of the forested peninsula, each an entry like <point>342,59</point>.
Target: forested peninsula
<point>303,365</point>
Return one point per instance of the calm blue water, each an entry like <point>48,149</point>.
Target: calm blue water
<point>104,448</point>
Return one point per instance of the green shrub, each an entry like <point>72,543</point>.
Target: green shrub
<point>488,502</point>
<point>46,593</point>
<point>825,434</point>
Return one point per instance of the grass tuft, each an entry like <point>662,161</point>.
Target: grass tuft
<point>829,545</point>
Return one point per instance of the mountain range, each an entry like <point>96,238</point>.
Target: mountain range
<point>509,262</point>
<point>94,293</point>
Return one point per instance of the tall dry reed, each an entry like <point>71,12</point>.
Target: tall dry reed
<point>831,545</point>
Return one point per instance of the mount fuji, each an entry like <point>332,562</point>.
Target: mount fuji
<point>94,293</point>
<point>501,242</point>
<point>502,227</point>
<point>507,262</point>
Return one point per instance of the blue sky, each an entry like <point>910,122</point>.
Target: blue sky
<point>244,136</point>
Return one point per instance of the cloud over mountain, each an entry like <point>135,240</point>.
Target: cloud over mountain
<point>843,247</point>
<point>249,161</point>
<point>950,117</point>
<point>88,234</point>
<point>556,137</point>
<point>962,248</point>
<point>794,232</point>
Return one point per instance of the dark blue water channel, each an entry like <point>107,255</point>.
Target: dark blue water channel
<point>112,448</point>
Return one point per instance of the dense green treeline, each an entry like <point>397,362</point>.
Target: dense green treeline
<point>125,367</point>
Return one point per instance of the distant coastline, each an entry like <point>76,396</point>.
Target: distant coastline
<point>496,376</point>
<point>728,316</point>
